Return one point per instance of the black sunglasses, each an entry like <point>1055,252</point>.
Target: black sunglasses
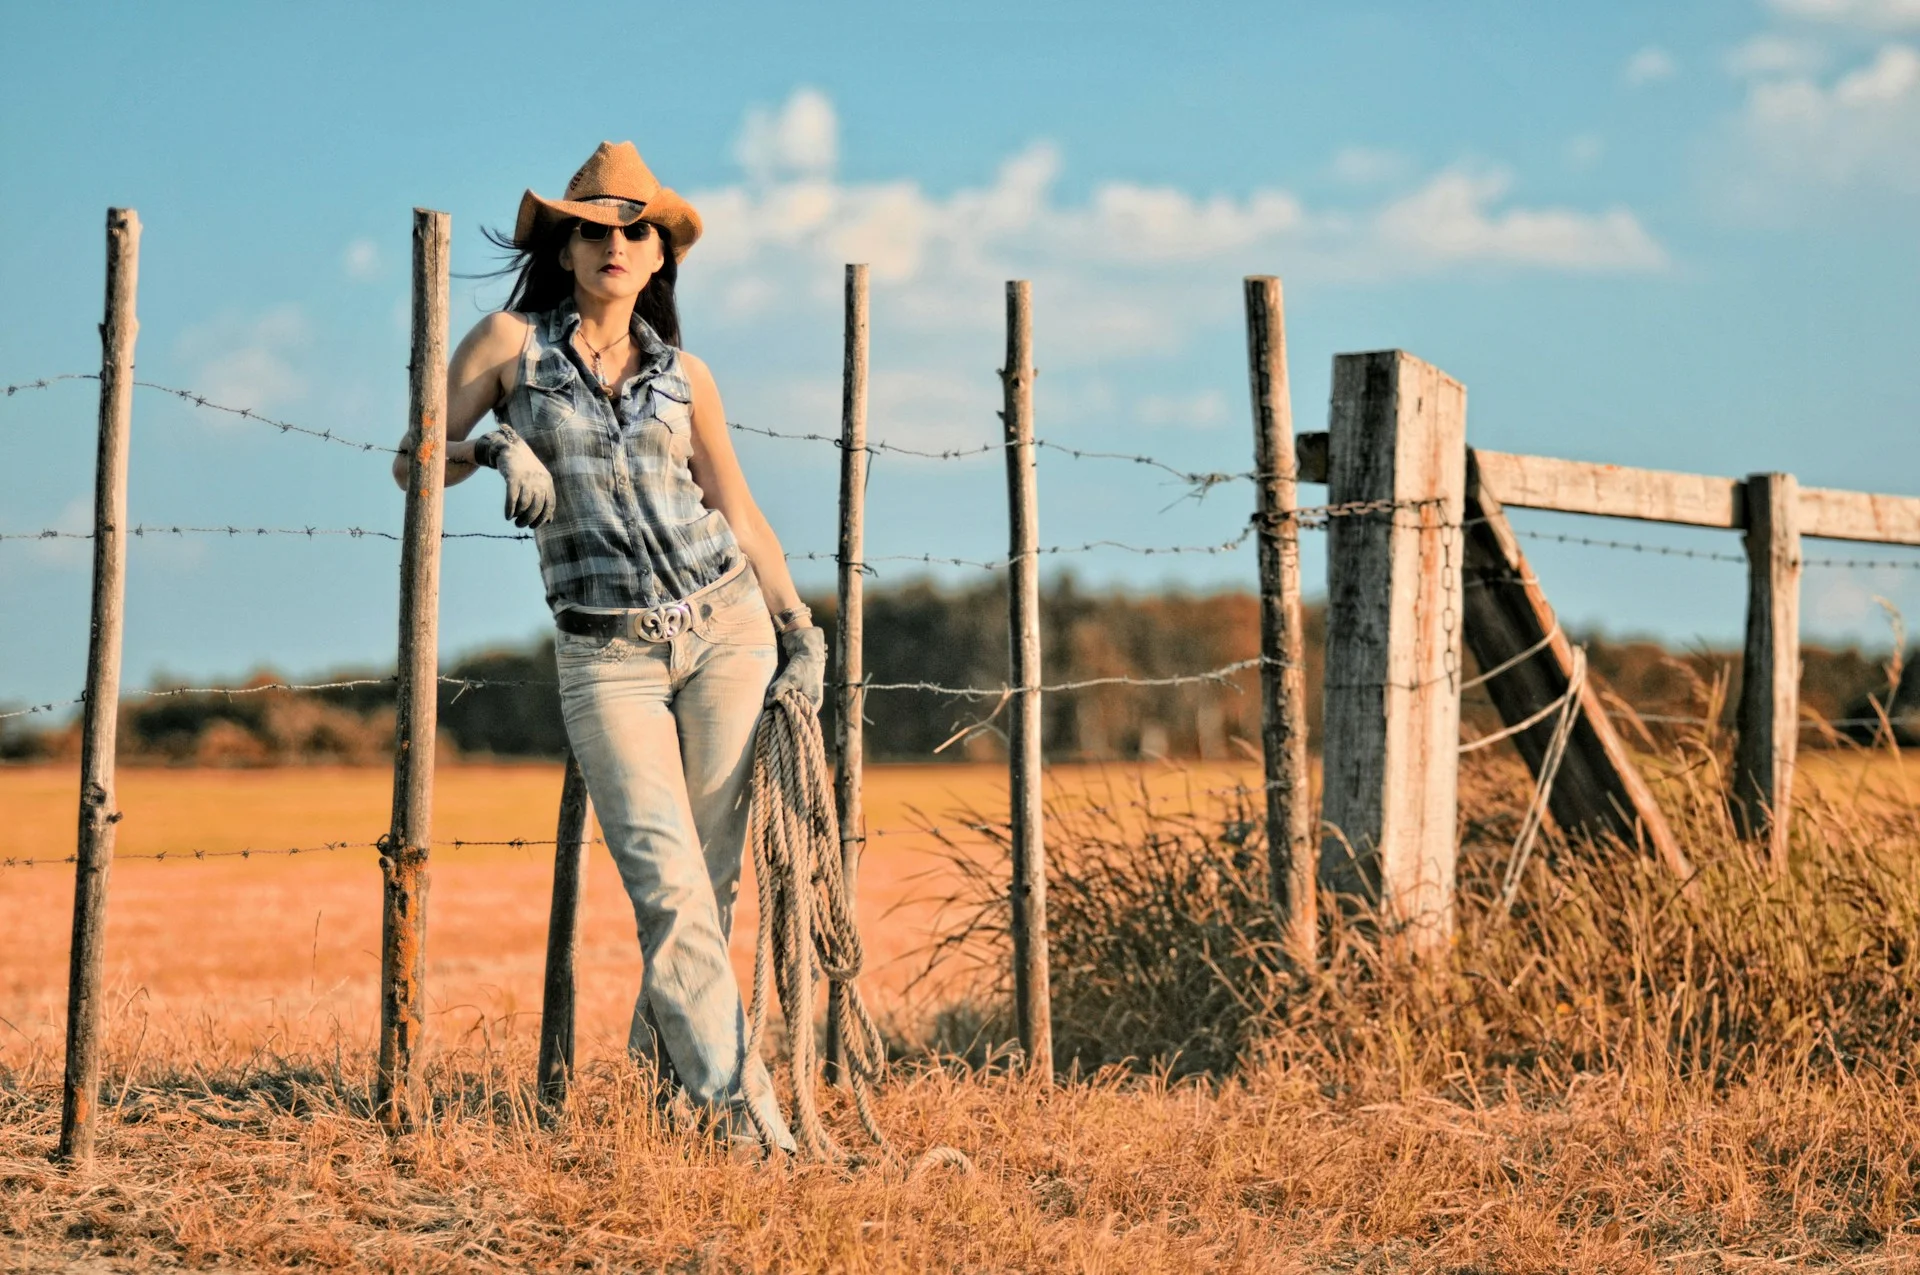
<point>595,232</point>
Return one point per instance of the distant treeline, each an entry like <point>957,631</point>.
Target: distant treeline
<point>918,632</point>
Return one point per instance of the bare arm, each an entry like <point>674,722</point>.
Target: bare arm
<point>724,487</point>
<point>479,375</point>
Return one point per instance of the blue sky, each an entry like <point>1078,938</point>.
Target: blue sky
<point>1667,235</point>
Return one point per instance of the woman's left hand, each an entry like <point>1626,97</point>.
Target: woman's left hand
<point>803,665</point>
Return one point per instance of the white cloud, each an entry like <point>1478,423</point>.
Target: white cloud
<point>1862,128</point>
<point>1208,407</point>
<point>1453,219</point>
<point>1368,165</point>
<point>1882,15</point>
<point>1773,54</point>
<point>1649,65</point>
<point>802,138</point>
<point>248,361</point>
<point>1583,153</point>
<point>361,259</point>
<point>1112,271</point>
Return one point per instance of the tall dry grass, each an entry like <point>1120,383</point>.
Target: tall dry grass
<point>1620,1075</point>
<point>1166,954</point>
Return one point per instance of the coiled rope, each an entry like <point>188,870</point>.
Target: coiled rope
<point>806,918</point>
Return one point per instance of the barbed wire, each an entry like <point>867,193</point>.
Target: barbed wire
<point>249,853</point>
<point>1203,479</point>
<point>464,683</point>
<point>1898,564</point>
<point>1635,546</point>
<point>1665,551</point>
<point>201,400</point>
<point>1218,675</point>
<point>350,533</point>
<point>1309,518</point>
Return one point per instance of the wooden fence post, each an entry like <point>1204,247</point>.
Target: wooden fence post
<point>555,1067</point>
<point>1283,701</point>
<point>850,701</point>
<point>100,716</point>
<point>1028,896</point>
<point>1768,716</point>
<point>403,861</point>
<point>1397,435</point>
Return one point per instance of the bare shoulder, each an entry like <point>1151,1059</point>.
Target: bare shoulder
<point>497,337</point>
<point>696,369</point>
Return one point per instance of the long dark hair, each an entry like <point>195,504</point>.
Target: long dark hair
<point>540,284</point>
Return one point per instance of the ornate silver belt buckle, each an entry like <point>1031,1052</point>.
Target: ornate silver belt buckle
<point>662,623</point>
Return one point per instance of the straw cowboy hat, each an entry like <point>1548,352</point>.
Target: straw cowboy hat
<point>628,191</point>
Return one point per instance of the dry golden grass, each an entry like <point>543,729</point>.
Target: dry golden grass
<point>1495,1120</point>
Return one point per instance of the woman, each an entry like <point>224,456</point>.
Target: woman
<point>668,588</point>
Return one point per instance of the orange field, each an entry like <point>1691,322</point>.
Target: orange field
<point>1383,1129</point>
<point>275,945</point>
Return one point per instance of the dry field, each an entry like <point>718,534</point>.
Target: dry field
<point>242,1007</point>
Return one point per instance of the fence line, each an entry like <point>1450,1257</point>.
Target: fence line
<point>326,847</point>
<point>1402,426</point>
<point>1311,518</point>
<point>1668,551</point>
<point>1197,478</point>
<point>312,533</point>
<point>464,683</point>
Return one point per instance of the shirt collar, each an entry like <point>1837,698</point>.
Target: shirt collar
<point>654,352</point>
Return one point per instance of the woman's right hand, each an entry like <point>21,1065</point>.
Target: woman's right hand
<point>530,498</point>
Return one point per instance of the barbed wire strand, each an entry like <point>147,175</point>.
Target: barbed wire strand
<point>249,853</point>
<point>1216,675</point>
<point>1199,479</point>
<point>1669,551</point>
<point>350,533</point>
<point>464,683</point>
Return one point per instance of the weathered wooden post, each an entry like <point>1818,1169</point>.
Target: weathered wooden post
<point>1397,436</point>
<point>403,861</point>
<point>1028,896</point>
<point>1768,716</point>
<point>100,717</point>
<point>1283,702</point>
<point>850,700</point>
<point>555,1068</point>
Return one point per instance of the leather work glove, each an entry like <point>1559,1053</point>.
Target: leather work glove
<point>803,665</point>
<point>530,498</point>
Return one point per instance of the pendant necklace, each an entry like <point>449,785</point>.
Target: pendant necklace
<point>598,373</point>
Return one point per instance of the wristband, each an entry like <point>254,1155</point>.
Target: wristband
<point>792,618</point>
<point>487,448</point>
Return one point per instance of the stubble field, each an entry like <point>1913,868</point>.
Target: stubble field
<point>241,1011</point>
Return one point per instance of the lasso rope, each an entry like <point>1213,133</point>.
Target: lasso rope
<point>806,916</point>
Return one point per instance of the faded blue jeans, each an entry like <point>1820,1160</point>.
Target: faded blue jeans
<point>663,733</point>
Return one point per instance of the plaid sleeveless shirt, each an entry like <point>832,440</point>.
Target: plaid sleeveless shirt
<point>629,529</point>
